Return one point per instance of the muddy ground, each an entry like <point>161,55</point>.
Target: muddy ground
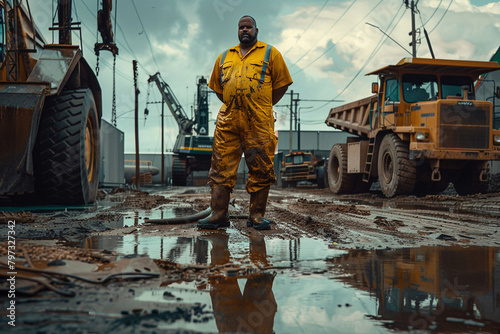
<point>364,221</point>
<point>78,237</point>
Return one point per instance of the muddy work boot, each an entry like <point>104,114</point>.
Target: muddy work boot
<point>219,216</point>
<point>258,203</point>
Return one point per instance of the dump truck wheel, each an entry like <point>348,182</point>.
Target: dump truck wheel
<point>396,172</point>
<point>467,183</point>
<point>66,155</point>
<point>179,175</point>
<point>339,181</point>
<point>320,177</point>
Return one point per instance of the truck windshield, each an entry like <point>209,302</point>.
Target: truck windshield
<point>294,159</point>
<point>452,85</point>
<point>298,159</point>
<point>419,87</point>
<point>392,90</point>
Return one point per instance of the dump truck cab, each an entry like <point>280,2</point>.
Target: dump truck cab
<point>302,166</point>
<point>421,130</point>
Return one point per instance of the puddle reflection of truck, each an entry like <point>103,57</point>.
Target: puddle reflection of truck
<point>301,166</point>
<point>420,131</point>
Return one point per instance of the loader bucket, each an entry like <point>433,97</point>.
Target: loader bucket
<point>19,118</point>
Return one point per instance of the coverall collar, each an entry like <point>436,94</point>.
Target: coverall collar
<point>259,44</point>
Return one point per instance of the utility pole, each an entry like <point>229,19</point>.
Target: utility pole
<point>413,33</point>
<point>162,141</point>
<point>297,125</point>
<point>136,90</point>
<point>298,130</point>
<point>293,103</point>
<point>291,116</point>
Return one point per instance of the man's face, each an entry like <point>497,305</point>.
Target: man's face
<point>247,33</point>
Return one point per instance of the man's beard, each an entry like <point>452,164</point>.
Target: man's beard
<point>251,39</point>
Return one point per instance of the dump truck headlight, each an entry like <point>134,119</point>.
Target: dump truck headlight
<point>496,139</point>
<point>421,136</point>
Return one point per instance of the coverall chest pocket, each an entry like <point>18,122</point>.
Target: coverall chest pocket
<point>257,72</point>
<point>226,70</point>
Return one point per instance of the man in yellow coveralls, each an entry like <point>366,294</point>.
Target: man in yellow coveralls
<point>249,79</point>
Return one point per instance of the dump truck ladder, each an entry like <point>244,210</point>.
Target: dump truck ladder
<point>369,160</point>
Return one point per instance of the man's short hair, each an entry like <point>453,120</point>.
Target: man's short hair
<point>253,20</point>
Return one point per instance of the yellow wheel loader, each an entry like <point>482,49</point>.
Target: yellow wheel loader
<point>50,109</point>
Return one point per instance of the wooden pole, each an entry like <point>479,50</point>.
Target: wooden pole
<point>162,142</point>
<point>137,175</point>
<point>413,32</point>
<point>291,120</point>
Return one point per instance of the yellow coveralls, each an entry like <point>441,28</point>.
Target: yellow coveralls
<point>245,123</point>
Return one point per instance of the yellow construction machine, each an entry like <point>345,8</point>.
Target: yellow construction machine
<point>50,108</point>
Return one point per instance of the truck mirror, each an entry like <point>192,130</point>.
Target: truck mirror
<point>498,93</point>
<point>374,87</point>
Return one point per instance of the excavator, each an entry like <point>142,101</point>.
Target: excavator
<point>50,108</point>
<point>193,146</point>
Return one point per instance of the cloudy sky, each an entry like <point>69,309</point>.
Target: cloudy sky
<point>327,45</point>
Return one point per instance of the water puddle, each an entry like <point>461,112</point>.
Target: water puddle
<point>222,247</point>
<point>307,285</point>
<point>136,218</point>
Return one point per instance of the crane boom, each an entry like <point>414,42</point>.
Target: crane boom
<point>185,124</point>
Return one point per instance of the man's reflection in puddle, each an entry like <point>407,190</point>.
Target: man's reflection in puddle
<point>251,311</point>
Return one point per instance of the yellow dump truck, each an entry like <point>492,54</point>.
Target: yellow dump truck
<point>302,166</point>
<point>421,130</point>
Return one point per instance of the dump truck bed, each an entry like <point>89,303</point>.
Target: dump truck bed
<point>353,117</point>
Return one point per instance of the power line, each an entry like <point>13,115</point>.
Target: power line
<point>432,15</point>
<point>388,36</point>
<point>446,11</point>
<point>310,24</point>
<point>146,34</point>
<point>127,48</point>
<point>374,52</point>
<point>331,47</point>
<point>422,21</point>
<point>334,24</point>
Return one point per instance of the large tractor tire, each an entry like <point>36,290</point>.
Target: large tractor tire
<point>339,181</point>
<point>467,182</point>
<point>320,177</point>
<point>396,172</point>
<point>66,155</point>
<point>179,172</point>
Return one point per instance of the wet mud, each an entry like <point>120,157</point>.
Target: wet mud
<point>330,264</point>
